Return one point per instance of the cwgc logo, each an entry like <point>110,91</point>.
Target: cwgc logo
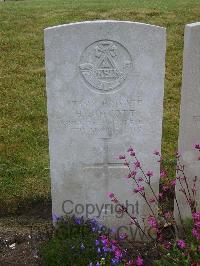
<point>105,65</point>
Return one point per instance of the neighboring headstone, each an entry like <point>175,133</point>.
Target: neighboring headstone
<point>105,83</point>
<point>189,132</point>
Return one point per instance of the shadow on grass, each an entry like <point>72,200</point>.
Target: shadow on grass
<point>32,207</point>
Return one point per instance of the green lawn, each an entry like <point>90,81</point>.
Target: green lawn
<point>24,144</point>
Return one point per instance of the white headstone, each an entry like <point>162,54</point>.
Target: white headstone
<point>189,132</point>
<point>105,83</point>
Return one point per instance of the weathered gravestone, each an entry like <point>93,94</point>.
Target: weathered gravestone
<point>189,132</point>
<point>105,82</point>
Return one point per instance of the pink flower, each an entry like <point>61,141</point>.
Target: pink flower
<point>160,196</point>
<point>167,245</point>
<point>128,176</point>
<point>132,153</point>
<point>122,157</point>
<point>196,234</point>
<point>133,173</point>
<point>138,189</point>
<point>198,248</point>
<point>152,222</point>
<point>129,263</point>
<point>177,154</point>
<point>139,261</point>
<point>196,216</point>
<point>113,247</point>
<point>115,200</point>
<point>140,179</point>
<point>130,149</point>
<point>105,242</point>
<point>160,236</point>
<point>133,221</point>
<point>149,173</point>
<point>165,188</point>
<point>168,215</point>
<point>118,253</point>
<point>197,146</point>
<point>181,244</point>
<point>156,152</point>
<point>163,174</point>
<point>137,164</point>
<point>152,200</point>
<point>173,182</point>
<point>197,224</point>
<point>194,189</point>
<point>111,195</point>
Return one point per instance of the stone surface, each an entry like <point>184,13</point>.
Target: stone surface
<point>189,132</point>
<point>105,83</point>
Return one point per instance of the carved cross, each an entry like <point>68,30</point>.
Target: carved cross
<point>105,165</point>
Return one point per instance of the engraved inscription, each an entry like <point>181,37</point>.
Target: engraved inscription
<point>110,118</point>
<point>105,65</point>
<point>196,119</point>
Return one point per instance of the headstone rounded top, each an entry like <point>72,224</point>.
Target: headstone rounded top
<point>195,24</point>
<point>104,22</point>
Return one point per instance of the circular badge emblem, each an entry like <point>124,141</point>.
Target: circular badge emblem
<point>105,65</point>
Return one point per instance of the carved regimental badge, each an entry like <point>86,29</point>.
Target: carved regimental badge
<point>105,65</point>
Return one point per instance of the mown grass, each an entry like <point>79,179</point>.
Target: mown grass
<point>24,144</point>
